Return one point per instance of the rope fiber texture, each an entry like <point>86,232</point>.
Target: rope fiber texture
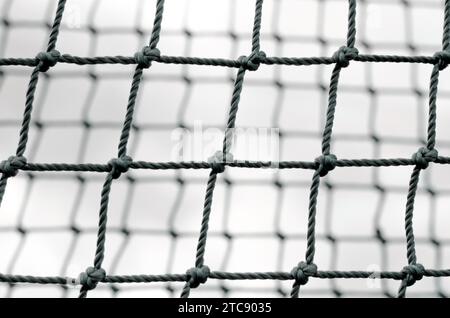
<point>325,163</point>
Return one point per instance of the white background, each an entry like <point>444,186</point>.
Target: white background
<point>247,203</point>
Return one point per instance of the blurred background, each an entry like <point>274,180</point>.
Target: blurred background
<point>48,221</point>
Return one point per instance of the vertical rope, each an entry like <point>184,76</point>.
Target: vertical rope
<point>199,274</point>
<point>96,274</point>
<point>56,25</point>
<point>46,60</point>
<point>327,161</point>
<point>257,27</point>
<point>422,158</point>
<point>446,36</point>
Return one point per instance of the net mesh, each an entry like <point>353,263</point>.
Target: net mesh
<point>122,166</point>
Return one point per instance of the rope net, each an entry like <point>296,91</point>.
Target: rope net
<point>295,266</point>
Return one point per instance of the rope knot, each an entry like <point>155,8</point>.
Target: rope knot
<point>443,59</point>
<point>326,163</point>
<point>11,166</point>
<point>344,55</point>
<point>197,275</point>
<point>119,165</point>
<point>145,56</point>
<point>91,277</point>
<point>424,156</point>
<point>47,60</point>
<point>252,61</point>
<point>303,271</point>
<point>413,273</point>
<point>218,161</point>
